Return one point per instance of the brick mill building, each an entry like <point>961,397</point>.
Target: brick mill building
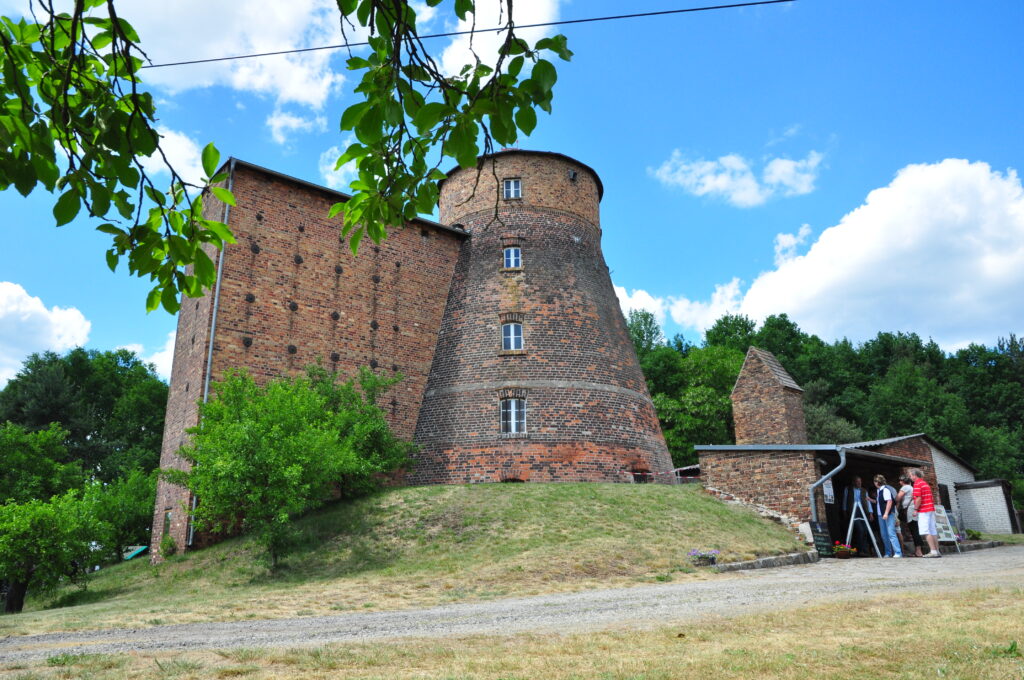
<point>773,466</point>
<point>501,317</point>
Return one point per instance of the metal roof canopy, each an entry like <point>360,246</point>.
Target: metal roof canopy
<point>823,448</point>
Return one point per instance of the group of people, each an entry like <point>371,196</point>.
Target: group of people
<point>914,505</point>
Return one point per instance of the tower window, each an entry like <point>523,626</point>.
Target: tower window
<point>512,188</point>
<point>513,416</point>
<point>513,258</point>
<point>511,336</point>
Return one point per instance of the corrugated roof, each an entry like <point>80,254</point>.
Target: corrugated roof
<point>775,367</point>
<point>892,440</point>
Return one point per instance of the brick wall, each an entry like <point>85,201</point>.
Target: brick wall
<point>767,408</point>
<point>984,509</point>
<point>588,412</point>
<point>778,480</point>
<point>292,294</point>
<point>918,449</point>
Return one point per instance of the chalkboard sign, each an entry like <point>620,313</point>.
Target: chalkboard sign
<point>822,538</point>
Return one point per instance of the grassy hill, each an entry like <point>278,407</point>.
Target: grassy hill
<point>422,546</point>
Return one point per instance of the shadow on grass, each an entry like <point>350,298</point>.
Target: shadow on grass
<point>87,596</point>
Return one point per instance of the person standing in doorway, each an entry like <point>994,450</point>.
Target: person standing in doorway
<point>853,496</point>
<point>924,503</point>
<point>885,506</point>
<point>908,514</point>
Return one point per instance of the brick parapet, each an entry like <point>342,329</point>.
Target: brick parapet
<point>778,480</point>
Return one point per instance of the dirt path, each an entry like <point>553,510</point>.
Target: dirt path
<point>727,595</point>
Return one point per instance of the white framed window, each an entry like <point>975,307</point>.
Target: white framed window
<point>513,416</point>
<point>512,188</point>
<point>511,336</point>
<point>513,257</point>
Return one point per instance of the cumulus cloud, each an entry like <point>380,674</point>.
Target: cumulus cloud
<point>27,326</point>
<point>939,251</point>
<point>282,124</point>
<point>732,177</point>
<point>343,176</point>
<point>641,299</point>
<point>219,29</point>
<point>163,358</point>
<point>490,14</point>
<point>182,153</point>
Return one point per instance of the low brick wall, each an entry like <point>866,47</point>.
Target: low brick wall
<point>777,480</point>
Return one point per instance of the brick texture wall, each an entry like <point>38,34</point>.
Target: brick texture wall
<point>985,509</point>
<point>589,416</point>
<point>293,294</point>
<point>918,449</point>
<point>767,407</point>
<point>775,479</point>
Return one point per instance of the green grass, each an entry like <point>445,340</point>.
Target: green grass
<point>1008,539</point>
<point>422,546</point>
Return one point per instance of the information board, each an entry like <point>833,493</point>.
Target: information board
<point>822,538</point>
<point>946,533</point>
<point>830,494</point>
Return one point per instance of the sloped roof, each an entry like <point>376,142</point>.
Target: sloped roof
<point>893,440</point>
<point>769,360</point>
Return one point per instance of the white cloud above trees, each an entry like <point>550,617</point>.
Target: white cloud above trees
<point>733,179</point>
<point>489,14</point>
<point>938,251</point>
<point>27,325</point>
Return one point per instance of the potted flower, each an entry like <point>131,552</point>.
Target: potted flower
<point>704,558</point>
<point>843,551</point>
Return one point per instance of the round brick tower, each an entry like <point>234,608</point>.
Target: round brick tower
<point>534,377</point>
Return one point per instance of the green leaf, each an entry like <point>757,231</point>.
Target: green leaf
<point>463,7</point>
<point>169,299</point>
<point>224,195</point>
<point>526,119</point>
<point>111,229</point>
<point>112,259</point>
<point>353,114</point>
<point>335,209</point>
<point>204,269</point>
<point>544,75</point>
<point>211,158</point>
<point>153,299</point>
<point>220,229</point>
<point>429,115</point>
<point>67,207</point>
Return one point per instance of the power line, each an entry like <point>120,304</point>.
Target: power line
<point>479,30</point>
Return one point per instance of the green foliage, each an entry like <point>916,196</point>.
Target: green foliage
<point>31,464</point>
<point>45,542</point>
<point>645,332</point>
<point>414,116</point>
<point>74,122</point>
<point>732,330</point>
<point>125,508</point>
<point>265,455</point>
<point>168,546</point>
<point>111,404</point>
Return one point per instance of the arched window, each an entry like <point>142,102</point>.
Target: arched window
<point>513,257</point>
<point>513,416</point>
<point>511,336</point>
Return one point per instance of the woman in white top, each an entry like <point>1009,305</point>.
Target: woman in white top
<point>908,514</point>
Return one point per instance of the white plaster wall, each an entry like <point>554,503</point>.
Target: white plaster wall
<point>948,471</point>
<point>985,510</point>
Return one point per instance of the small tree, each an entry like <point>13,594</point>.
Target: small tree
<point>264,455</point>
<point>125,506</point>
<point>45,542</point>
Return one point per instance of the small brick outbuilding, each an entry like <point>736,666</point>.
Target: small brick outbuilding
<point>773,466</point>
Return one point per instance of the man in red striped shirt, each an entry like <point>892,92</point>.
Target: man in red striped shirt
<point>925,504</point>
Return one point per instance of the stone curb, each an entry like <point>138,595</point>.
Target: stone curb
<point>968,547</point>
<point>771,562</point>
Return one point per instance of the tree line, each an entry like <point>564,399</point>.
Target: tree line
<point>970,400</point>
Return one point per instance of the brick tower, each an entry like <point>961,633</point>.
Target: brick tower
<point>767,404</point>
<point>534,377</point>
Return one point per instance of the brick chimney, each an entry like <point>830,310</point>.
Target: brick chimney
<point>767,404</point>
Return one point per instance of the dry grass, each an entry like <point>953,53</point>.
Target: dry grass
<point>424,546</point>
<point>966,635</point>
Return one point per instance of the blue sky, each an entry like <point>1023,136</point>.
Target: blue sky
<point>853,164</point>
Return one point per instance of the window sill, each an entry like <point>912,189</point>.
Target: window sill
<point>514,435</point>
<point>511,352</point>
<point>511,269</point>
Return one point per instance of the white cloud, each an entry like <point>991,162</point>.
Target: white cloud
<point>196,29</point>
<point>163,358</point>
<point>282,123</point>
<point>340,178</point>
<point>732,177</point>
<point>786,244</point>
<point>135,347</point>
<point>27,326</point>
<point>641,299</point>
<point>490,14</point>
<point>939,251</point>
<point>183,154</point>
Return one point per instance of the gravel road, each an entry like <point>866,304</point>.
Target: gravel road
<point>642,606</point>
